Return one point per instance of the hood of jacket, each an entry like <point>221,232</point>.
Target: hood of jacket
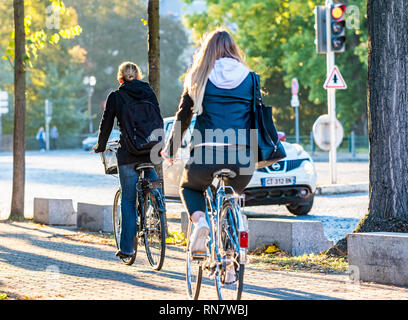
<point>228,73</point>
<point>138,90</point>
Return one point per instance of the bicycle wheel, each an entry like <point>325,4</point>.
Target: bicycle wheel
<point>194,271</point>
<point>154,232</point>
<point>117,219</point>
<point>229,278</point>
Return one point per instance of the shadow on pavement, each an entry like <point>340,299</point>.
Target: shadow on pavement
<point>283,293</point>
<point>35,262</point>
<point>273,293</point>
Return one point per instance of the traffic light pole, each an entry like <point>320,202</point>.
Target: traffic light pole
<point>331,97</point>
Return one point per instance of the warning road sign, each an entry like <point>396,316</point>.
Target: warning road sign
<point>335,80</point>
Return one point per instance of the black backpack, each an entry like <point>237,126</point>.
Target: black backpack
<point>142,125</point>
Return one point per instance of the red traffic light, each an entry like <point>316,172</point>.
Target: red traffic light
<point>337,11</point>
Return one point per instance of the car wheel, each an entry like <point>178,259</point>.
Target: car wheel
<point>300,209</point>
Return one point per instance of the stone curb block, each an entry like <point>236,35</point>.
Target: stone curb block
<point>54,212</point>
<point>342,188</point>
<point>380,257</point>
<point>184,220</point>
<point>94,217</point>
<point>296,237</point>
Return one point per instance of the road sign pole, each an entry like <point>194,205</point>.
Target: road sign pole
<point>297,124</point>
<point>296,104</point>
<point>331,97</point>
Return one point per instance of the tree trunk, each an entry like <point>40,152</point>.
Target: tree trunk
<point>154,45</point>
<point>388,108</point>
<point>387,118</point>
<point>17,201</point>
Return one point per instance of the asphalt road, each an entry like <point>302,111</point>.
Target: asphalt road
<point>79,175</point>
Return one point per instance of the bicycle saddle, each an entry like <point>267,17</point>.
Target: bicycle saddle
<point>224,173</point>
<point>144,166</point>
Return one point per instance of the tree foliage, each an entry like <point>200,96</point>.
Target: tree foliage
<point>277,37</point>
<point>115,31</point>
<point>52,69</point>
<point>101,35</point>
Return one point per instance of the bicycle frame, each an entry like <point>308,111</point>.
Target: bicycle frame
<point>141,187</point>
<point>213,210</point>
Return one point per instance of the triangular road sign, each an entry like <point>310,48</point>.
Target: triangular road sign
<point>335,80</point>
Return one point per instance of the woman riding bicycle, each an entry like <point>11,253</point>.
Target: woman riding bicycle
<point>219,89</point>
<point>131,88</point>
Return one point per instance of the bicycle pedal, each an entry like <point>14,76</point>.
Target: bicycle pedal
<point>198,255</point>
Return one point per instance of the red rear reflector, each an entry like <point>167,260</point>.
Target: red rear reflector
<point>243,239</point>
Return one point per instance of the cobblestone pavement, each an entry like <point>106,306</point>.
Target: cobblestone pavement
<point>43,262</point>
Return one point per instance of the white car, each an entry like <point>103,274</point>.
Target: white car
<point>290,182</point>
<point>92,140</point>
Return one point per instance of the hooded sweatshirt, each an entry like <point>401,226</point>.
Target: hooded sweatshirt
<point>137,90</point>
<point>228,73</point>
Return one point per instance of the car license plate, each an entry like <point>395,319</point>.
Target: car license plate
<point>278,181</point>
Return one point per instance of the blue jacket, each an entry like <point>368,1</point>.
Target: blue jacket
<point>224,109</point>
<point>228,110</point>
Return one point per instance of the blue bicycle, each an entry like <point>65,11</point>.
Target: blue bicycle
<point>225,258</point>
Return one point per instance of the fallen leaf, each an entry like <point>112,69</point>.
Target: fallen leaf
<point>272,249</point>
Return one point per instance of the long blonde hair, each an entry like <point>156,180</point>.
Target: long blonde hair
<point>217,44</point>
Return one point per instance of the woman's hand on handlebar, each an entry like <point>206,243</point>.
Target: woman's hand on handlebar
<point>93,150</point>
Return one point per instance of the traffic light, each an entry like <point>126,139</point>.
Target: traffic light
<point>338,27</point>
<point>321,30</point>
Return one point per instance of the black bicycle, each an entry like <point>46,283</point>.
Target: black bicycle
<point>151,223</point>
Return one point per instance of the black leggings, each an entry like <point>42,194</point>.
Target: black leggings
<point>197,175</point>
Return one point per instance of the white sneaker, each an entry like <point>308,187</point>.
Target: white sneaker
<point>199,237</point>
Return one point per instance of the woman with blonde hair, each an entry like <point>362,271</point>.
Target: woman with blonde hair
<point>131,91</point>
<point>218,88</point>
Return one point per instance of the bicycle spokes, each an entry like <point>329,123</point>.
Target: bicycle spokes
<point>194,270</point>
<point>154,233</point>
<point>117,228</point>
<point>229,277</point>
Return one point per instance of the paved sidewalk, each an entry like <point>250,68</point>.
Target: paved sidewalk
<point>43,262</point>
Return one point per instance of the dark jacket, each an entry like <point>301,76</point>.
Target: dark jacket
<point>225,109</point>
<point>137,90</point>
